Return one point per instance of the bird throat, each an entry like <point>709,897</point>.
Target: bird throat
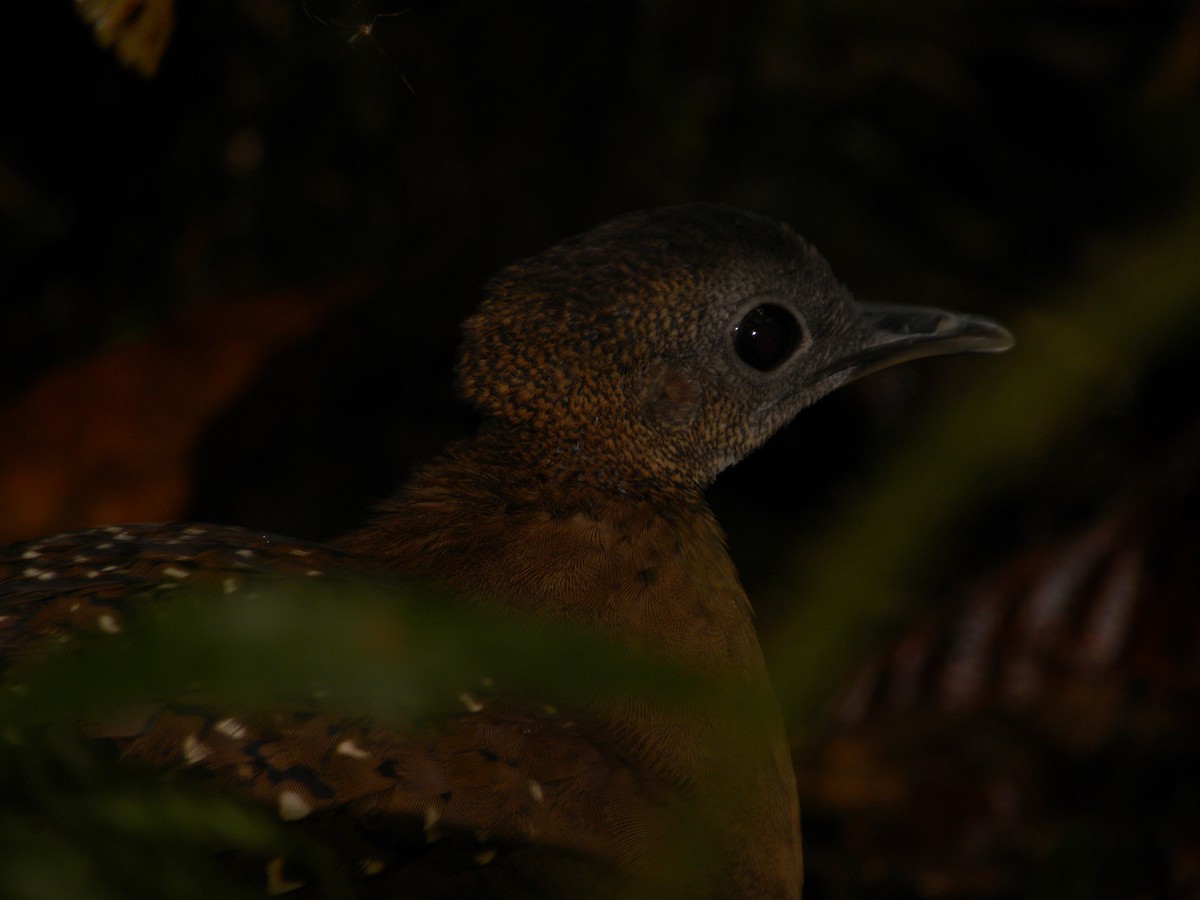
<point>517,527</point>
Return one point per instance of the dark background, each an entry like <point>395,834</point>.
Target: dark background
<point>1034,161</point>
<point>964,154</point>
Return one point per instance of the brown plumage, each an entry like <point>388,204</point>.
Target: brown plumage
<point>618,373</point>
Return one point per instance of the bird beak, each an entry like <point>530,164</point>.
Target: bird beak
<point>896,334</point>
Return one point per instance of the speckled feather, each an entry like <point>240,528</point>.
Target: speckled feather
<point>473,789</point>
<point>85,580</point>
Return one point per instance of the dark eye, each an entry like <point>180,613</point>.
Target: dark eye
<point>766,337</point>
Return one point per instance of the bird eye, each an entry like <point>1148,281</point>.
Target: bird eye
<point>766,337</point>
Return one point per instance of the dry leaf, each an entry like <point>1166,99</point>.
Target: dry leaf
<point>137,29</point>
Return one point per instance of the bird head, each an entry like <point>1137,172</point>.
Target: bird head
<point>665,345</point>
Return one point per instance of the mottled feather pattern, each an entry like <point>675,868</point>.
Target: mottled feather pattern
<point>86,579</point>
<point>498,776</point>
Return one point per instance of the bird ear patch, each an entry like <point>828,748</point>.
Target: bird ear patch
<point>669,394</point>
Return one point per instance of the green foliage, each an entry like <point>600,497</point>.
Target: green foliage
<point>1073,354</point>
<point>363,649</point>
<point>74,822</point>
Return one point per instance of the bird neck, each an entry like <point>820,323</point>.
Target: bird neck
<point>499,519</point>
<point>516,526</point>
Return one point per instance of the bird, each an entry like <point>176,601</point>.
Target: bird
<point>616,374</point>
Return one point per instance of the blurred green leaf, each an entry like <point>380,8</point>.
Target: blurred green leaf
<point>857,578</point>
<point>75,823</point>
<point>361,648</point>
